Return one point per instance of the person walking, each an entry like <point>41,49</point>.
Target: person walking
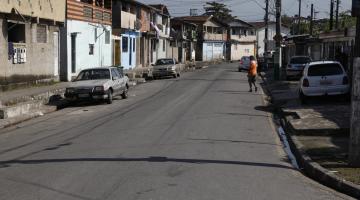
<point>252,73</point>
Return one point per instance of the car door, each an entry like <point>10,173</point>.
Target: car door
<point>122,80</point>
<point>116,81</point>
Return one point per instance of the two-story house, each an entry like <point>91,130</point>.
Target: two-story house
<point>242,40</point>
<point>126,27</point>
<point>212,37</point>
<point>29,40</point>
<point>184,37</point>
<point>86,37</point>
<point>260,36</point>
<point>160,23</point>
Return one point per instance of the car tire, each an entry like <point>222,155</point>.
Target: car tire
<point>110,97</point>
<point>125,95</point>
<point>175,76</point>
<point>303,98</point>
<point>178,75</point>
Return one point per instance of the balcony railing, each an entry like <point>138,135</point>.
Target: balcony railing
<point>129,21</point>
<point>212,36</point>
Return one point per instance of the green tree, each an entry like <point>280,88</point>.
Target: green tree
<point>219,11</point>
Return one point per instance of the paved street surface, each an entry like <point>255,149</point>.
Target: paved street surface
<point>202,137</point>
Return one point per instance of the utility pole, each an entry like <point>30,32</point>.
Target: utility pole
<point>278,39</point>
<point>299,18</point>
<point>337,14</point>
<point>331,14</point>
<point>266,32</point>
<point>354,145</point>
<point>312,20</point>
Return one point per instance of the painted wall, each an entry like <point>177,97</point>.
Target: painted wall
<point>128,56</point>
<point>40,62</point>
<point>161,52</point>
<point>45,9</point>
<point>87,34</point>
<point>271,34</point>
<point>213,51</point>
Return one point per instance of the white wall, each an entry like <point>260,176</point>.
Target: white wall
<point>240,50</point>
<point>86,35</point>
<point>271,34</point>
<point>160,52</point>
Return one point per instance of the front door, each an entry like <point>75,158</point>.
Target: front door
<point>130,51</point>
<point>56,54</point>
<point>117,53</point>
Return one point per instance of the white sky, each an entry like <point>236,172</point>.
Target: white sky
<point>250,10</point>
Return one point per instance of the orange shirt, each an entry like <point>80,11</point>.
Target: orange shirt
<point>253,68</point>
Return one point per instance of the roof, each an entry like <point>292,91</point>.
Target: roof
<point>177,21</point>
<point>239,23</point>
<point>162,8</point>
<point>201,19</point>
<point>324,62</point>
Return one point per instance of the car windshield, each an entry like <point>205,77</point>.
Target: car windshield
<point>300,60</point>
<point>93,74</point>
<point>325,70</point>
<point>165,62</point>
<point>245,58</point>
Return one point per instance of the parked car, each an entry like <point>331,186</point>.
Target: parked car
<point>296,66</point>
<point>167,67</point>
<point>98,84</point>
<point>323,78</point>
<point>244,63</point>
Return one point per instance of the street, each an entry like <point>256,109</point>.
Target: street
<point>202,136</point>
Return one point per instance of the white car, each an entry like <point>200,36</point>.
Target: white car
<point>244,63</point>
<point>323,78</point>
<point>98,84</point>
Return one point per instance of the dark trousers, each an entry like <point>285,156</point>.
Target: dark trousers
<point>252,81</point>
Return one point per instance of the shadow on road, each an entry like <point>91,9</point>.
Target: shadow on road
<point>235,141</point>
<point>4,164</point>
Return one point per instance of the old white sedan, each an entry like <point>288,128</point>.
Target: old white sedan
<point>98,84</point>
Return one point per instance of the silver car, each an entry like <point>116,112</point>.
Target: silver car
<point>98,84</point>
<point>296,66</point>
<point>244,63</point>
<point>167,67</point>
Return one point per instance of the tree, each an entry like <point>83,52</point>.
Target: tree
<point>219,11</point>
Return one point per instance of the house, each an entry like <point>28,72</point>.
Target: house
<point>86,37</point>
<point>126,30</point>
<point>242,40</point>
<point>160,22</point>
<point>29,40</point>
<point>212,37</point>
<point>184,37</point>
<point>260,36</point>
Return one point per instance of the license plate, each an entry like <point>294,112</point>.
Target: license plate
<point>84,95</point>
<point>325,82</point>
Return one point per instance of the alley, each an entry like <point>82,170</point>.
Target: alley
<point>202,136</point>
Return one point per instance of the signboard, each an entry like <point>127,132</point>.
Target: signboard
<point>356,8</point>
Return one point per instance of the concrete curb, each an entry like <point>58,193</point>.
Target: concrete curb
<point>320,174</point>
<point>310,167</point>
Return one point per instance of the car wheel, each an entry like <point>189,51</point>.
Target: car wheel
<point>110,97</point>
<point>178,75</point>
<point>175,75</point>
<point>125,95</point>
<point>303,98</point>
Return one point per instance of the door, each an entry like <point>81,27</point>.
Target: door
<point>73,53</point>
<point>117,53</point>
<point>130,51</point>
<point>56,54</point>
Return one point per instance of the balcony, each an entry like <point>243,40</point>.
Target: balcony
<point>244,38</point>
<point>213,36</point>
<point>128,21</point>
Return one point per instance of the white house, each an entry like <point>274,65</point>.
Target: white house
<point>260,36</point>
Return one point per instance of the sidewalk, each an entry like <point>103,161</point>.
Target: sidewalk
<point>318,134</point>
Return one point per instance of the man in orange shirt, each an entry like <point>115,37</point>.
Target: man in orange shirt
<point>252,73</point>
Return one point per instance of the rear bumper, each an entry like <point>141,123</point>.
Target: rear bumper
<point>323,91</point>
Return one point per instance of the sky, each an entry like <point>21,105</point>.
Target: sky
<point>252,10</point>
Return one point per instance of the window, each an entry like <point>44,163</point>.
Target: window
<point>16,32</point>
<point>325,70</point>
<point>164,45</point>
<point>115,73</point>
<point>91,49</point>
<point>233,31</point>
<point>125,44</point>
<point>107,37</point>
<point>134,46</point>
<point>41,34</point>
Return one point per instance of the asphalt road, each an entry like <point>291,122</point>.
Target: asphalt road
<point>201,137</point>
